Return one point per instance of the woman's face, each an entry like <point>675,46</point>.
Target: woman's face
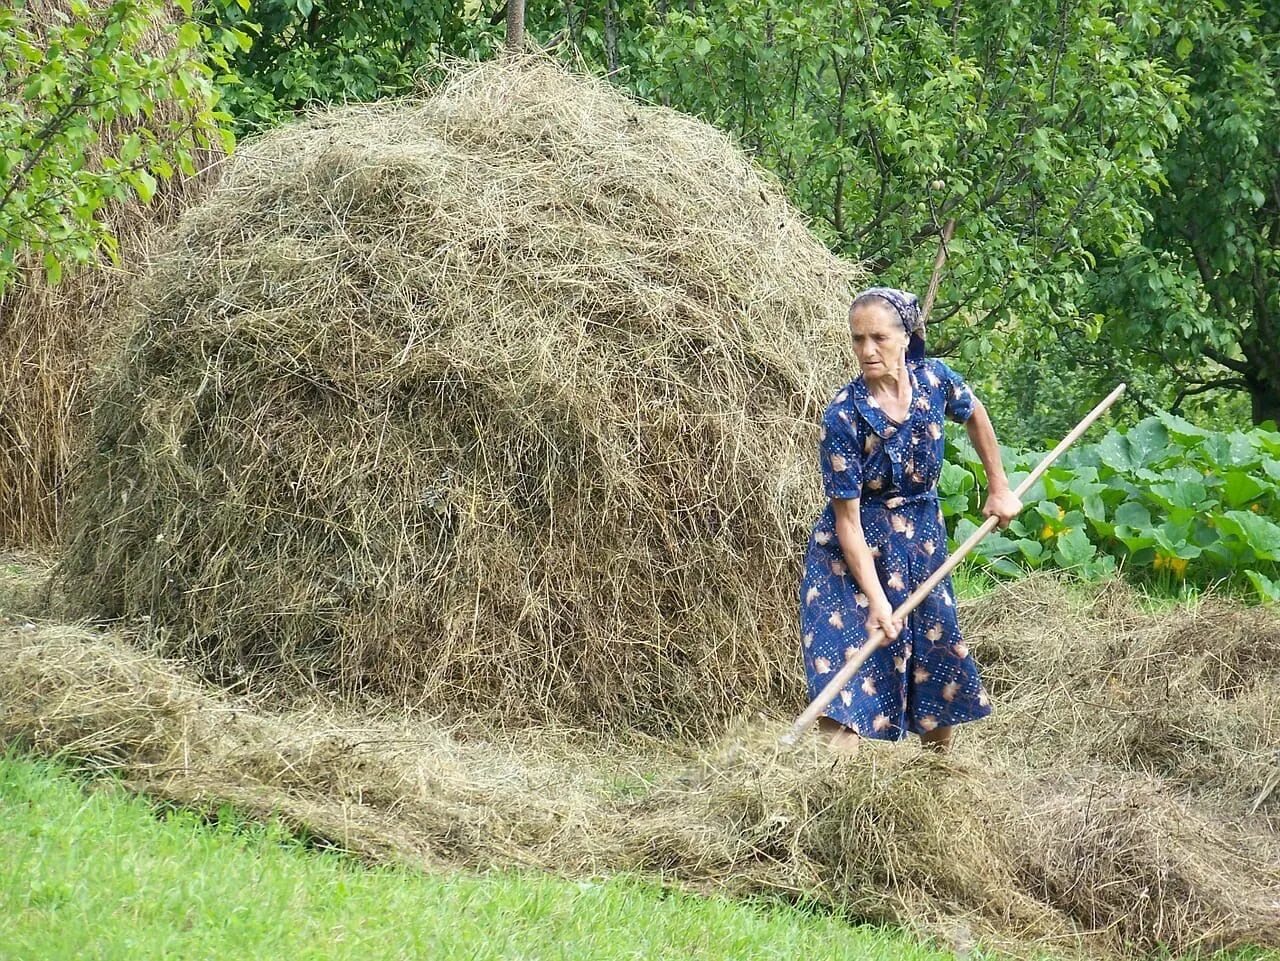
<point>879,340</point>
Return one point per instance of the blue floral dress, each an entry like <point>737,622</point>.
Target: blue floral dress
<point>925,678</point>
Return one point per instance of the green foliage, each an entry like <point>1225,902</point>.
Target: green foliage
<point>1111,166</point>
<point>1040,388</point>
<point>325,51</point>
<point>92,111</point>
<point>1199,297</point>
<point>1040,135</point>
<point>1165,499</point>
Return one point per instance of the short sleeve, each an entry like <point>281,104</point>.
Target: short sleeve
<point>839,455</point>
<point>958,399</point>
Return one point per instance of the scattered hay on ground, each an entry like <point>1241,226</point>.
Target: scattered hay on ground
<point>1091,680</point>
<point>505,398</point>
<point>1044,830</point>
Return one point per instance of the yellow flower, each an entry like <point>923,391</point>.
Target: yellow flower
<point>1178,565</point>
<point>1046,533</point>
<point>1256,508</point>
<point>1160,562</point>
<point>1061,513</point>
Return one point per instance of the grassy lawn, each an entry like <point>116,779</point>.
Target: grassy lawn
<point>96,874</point>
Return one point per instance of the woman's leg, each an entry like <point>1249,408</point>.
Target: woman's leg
<point>839,738</point>
<point>939,739</point>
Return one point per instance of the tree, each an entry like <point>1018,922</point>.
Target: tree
<point>334,51</point>
<point>1200,296</point>
<point>90,69</point>
<point>1039,129</point>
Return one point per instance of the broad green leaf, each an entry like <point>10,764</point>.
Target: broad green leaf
<point>1104,565</point>
<point>1031,550</point>
<point>965,529</point>
<point>1183,431</point>
<point>1005,567</point>
<point>955,479</point>
<point>1231,450</point>
<point>1083,489</point>
<point>1133,514</point>
<point>1239,488</point>
<point>1148,441</point>
<point>1095,509</point>
<point>1037,491</point>
<point>1181,494</point>
<point>1260,534</point>
<point>1113,450</point>
<point>1268,589</point>
<point>1074,548</point>
<point>1049,511</point>
<point>997,545</point>
<point>1175,539</point>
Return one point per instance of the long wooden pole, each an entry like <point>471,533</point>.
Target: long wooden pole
<point>876,637</point>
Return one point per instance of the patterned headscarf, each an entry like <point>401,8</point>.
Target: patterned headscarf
<point>907,307</point>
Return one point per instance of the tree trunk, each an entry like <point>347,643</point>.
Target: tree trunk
<point>571,24</point>
<point>515,28</point>
<point>1263,379</point>
<point>1260,344</point>
<point>1266,406</point>
<point>611,34</point>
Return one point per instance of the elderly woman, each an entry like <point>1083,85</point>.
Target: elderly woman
<point>882,534</point>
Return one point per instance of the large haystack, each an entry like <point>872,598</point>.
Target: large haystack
<point>53,337</point>
<point>502,399</point>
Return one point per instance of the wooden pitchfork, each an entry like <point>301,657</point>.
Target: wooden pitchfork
<point>876,637</point>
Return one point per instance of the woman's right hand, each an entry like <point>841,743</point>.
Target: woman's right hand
<point>880,615</point>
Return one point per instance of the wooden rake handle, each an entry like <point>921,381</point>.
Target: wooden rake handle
<point>875,637</point>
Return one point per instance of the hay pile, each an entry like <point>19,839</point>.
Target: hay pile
<point>502,399</point>
<point>53,338</point>
<point>27,590</point>
<point>1050,828</point>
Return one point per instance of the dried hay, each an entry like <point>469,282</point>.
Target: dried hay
<point>1043,831</point>
<point>1185,695</point>
<point>501,399</point>
<point>52,338</point>
<point>26,587</point>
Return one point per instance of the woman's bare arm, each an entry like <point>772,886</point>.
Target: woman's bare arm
<point>1001,502</point>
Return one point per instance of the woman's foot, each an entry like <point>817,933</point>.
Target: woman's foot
<point>839,739</point>
<point>937,740</point>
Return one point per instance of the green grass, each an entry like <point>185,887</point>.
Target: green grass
<point>99,874</point>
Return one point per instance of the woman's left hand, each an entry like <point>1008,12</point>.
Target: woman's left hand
<point>1003,504</point>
